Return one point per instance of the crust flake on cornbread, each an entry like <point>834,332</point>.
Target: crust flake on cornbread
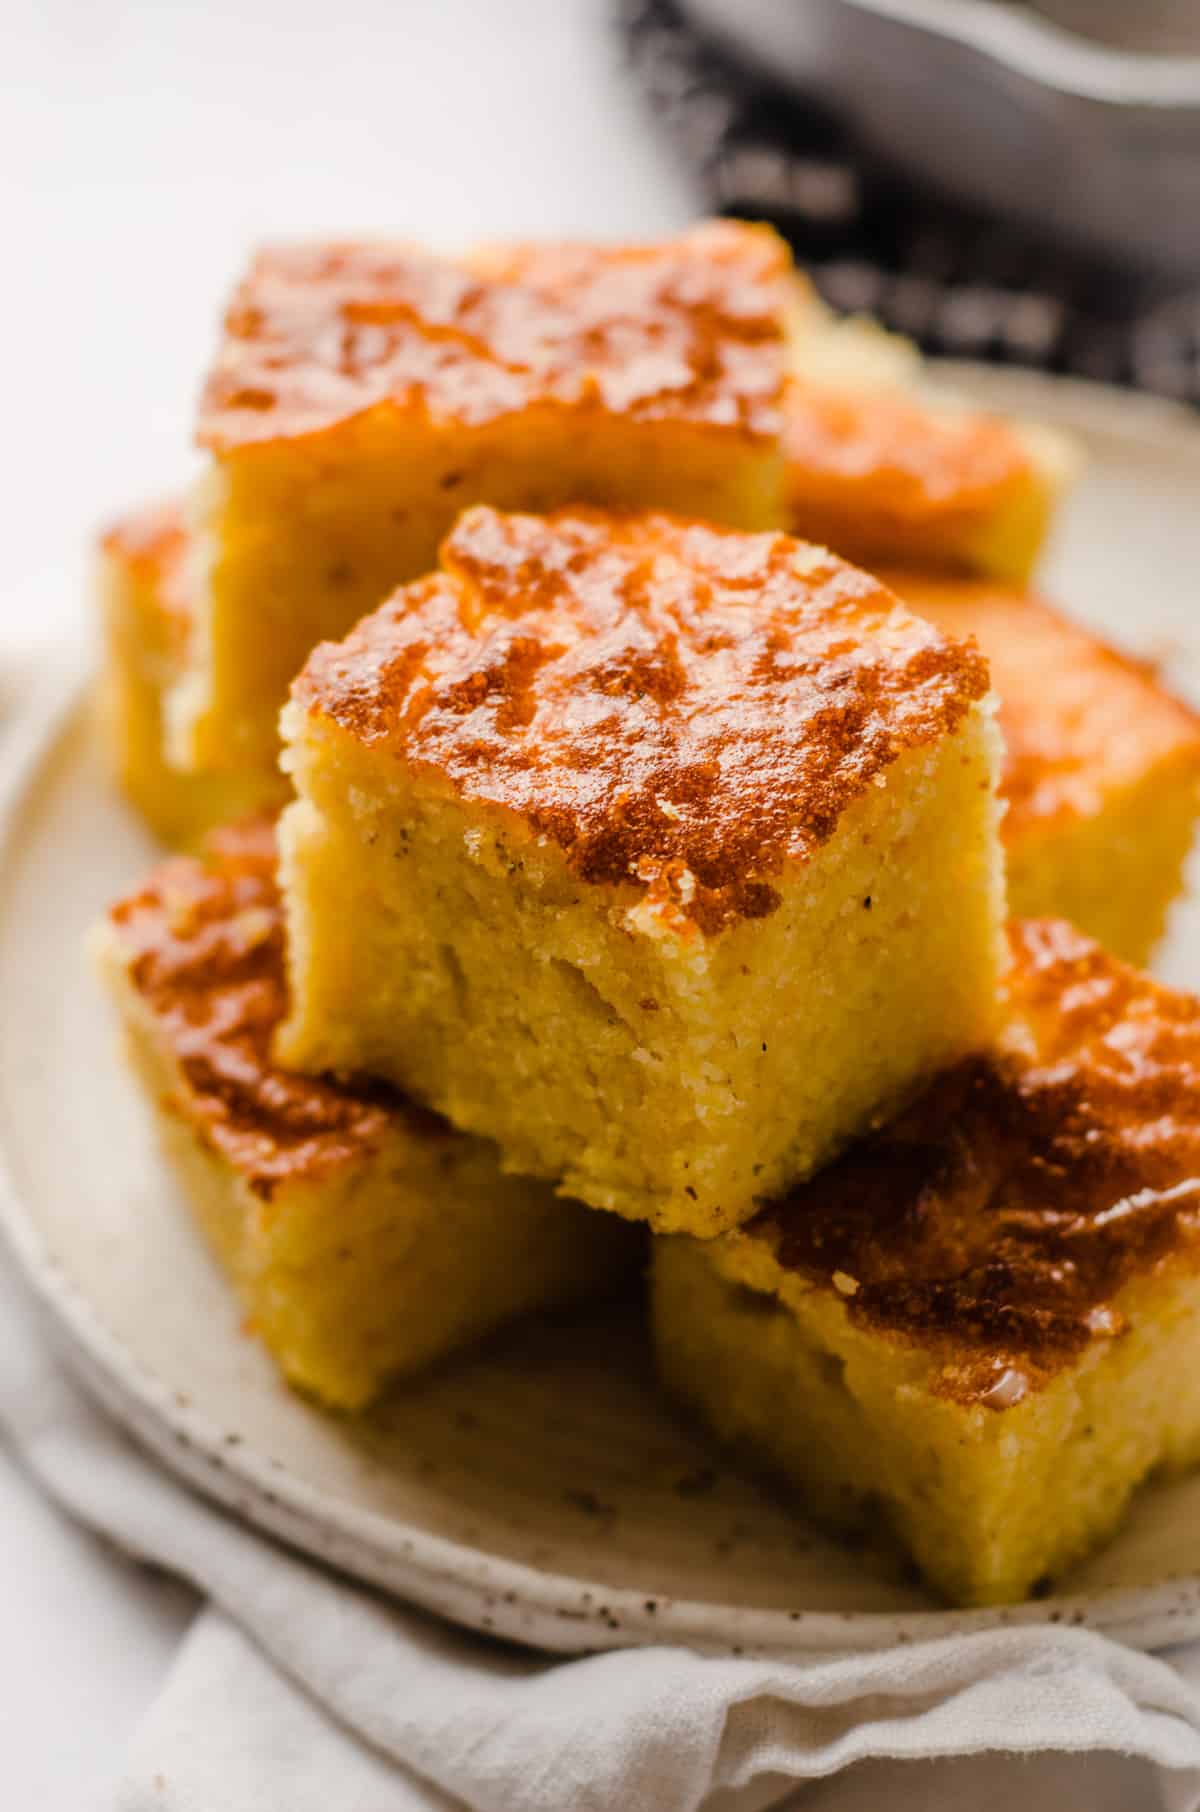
<point>364,394</point>
<point>885,467</point>
<point>1102,763</point>
<point>661,854</point>
<point>145,588</point>
<point>366,1237</point>
<point>983,1321</point>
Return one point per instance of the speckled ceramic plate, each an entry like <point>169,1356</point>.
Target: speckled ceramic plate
<point>537,1489</point>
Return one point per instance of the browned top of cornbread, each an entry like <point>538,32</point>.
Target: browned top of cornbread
<point>1000,1215</point>
<point>691,329</point>
<point>203,941</point>
<point>894,461</point>
<point>677,706</point>
<point>1079,717</point>
<point>152,545</point>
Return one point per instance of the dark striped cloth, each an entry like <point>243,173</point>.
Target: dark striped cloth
<point>958,282</point>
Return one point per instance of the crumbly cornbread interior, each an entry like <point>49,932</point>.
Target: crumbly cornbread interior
<point>980,1328</point>
<point>144,584</point>
<point>1101,768</point>
<point>714,878</point>
<point>990,1505</point>
<point>366,1237</point>
<point>364,395</point>
<point>1117,874</point>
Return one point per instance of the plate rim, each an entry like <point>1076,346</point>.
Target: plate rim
<point>470,1586</point>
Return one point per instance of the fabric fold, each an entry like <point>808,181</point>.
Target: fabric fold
<point>309,1688</point>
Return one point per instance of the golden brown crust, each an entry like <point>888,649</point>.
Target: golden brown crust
<point>677,706</point>
<point>153,546</point>
<point>999,1217</point>
<point>691,329</point>
<point>1078,716</point>
<point>203,944</point>
<point>894,465</point>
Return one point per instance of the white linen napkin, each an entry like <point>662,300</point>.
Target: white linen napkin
<point>297,1689</point>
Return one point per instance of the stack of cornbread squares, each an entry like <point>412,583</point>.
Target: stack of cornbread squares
<point>643,861</point>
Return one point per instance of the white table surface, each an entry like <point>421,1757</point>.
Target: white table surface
<point>143,149</point>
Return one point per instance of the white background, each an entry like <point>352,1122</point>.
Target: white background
<point>143,149</point>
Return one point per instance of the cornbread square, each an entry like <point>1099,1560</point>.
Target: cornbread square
<point>661,854</point>
<point>366,1237</point>
<point>982,1324</point>
<point>884,466</point>
<point>364,394</point>
<point>144,589</point>
<point>1102,763</point>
